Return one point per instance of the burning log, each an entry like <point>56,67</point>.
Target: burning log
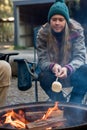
<point>52,118</point>
<point>16,120</point>
<point>41,120</point>
<point>35,115</point>
<point>54,110</point>
<point>69,116</point>
<point>48,123</point>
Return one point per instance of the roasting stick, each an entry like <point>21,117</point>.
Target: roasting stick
<point>57,86</point>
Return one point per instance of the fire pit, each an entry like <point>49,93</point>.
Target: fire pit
<point>43,116</point>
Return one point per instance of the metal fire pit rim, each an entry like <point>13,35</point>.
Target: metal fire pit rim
<point>72,127</point>
<point>61,104</point>
<point>66,128</point>
<point>50,103</point>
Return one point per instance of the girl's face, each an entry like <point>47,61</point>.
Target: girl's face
<point>57,23</point>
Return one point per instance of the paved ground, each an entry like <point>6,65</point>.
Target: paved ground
<point>16,96</point>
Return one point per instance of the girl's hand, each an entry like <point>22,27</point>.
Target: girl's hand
<point>57,70</point>
<point>63,73</point>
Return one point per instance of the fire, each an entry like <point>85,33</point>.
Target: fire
<point>19,121</point>
<point>50,110</point>
<point>16,120</point>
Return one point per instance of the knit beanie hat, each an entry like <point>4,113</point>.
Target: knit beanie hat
<point>59,7</point>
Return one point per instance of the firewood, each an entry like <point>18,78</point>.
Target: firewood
<point>43,124</point>
<point>58,113</point>
<point>35,115</point>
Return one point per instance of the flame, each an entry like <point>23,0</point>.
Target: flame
<point>19,121</point>
<point>50,110</point>
<point>16,120</point>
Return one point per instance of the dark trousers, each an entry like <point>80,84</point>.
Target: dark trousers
<point>78,80</point>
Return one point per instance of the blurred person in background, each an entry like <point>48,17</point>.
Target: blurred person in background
<point>5,80</point>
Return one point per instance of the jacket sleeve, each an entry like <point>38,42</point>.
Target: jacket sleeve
<point>78,50</point>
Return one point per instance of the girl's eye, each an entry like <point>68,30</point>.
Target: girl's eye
<point>58,19</point>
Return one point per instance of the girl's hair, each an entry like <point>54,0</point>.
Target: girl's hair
<point>65,42</point>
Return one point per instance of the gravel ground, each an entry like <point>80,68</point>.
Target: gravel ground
<point>15,96</point>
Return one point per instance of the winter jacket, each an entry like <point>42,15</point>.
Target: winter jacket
<point>75,55</point>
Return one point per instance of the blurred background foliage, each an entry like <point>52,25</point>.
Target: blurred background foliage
<point>77,8</point>
<point>6,8</point>
<point>6,21</point>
